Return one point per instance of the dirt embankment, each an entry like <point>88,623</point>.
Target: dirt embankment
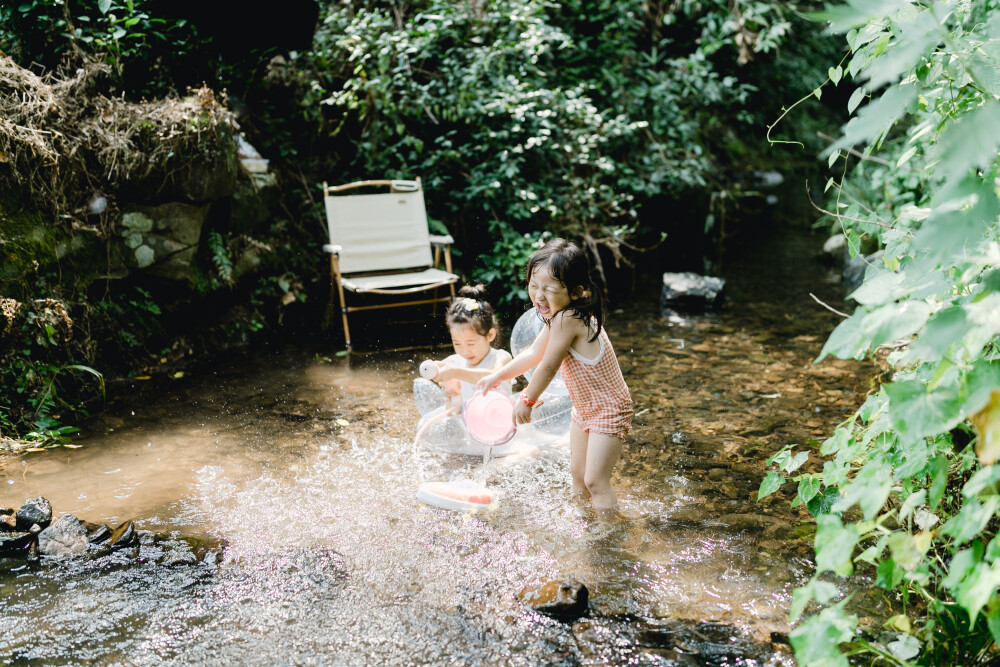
<point>74,160</point>
<point>74,150</point>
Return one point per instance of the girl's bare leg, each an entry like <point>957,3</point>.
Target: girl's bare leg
<point>602,452</point>
<point>578,458</point>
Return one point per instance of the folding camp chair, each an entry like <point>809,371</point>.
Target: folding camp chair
<point>380,245</point>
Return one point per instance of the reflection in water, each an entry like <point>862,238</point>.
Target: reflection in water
<point>303,468</point>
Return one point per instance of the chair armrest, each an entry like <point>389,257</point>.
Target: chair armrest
<point>442,240</point>
<point>332,249</point>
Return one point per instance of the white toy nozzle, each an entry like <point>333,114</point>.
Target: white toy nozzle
<point>428,369</point>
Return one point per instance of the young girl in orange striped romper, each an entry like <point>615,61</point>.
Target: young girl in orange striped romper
<point>574,342</point>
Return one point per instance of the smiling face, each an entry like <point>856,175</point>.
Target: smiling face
<point>547,294</point>
<point>469,344</point>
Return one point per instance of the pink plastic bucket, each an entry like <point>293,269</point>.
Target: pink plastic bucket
<point>489,417</point>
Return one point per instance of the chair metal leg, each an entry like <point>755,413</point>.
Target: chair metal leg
<point>347,331</point>
<point>335,280</point>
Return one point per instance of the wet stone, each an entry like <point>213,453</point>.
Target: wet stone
<point>123,536</point>
<point>8,519</point>
<point>146,537</point>
<point>15,544</point>
<point>175,557</point>
<point>65,537</point>
<point>97,532</point>
<point>562,598</point>
<point>34,510</point>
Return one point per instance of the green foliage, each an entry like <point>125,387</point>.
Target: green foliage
<point>43,387</point>
<point>524,116</point>
<point>220,257</point>
<point>505,267</point>
<point>915,468</point>
<point>119,33</point>
<point>132,320</point>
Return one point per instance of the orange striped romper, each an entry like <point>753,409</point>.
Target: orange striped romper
<point>601,399</point>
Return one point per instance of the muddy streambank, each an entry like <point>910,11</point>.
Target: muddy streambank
<point>300,464</point>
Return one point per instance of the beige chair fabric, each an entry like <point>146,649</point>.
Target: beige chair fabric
<point>385,234</point>
<point>379,232</point>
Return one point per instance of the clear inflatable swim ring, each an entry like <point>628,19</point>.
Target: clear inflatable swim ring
<point>549,424</point>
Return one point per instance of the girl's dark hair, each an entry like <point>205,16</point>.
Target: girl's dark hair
<point>470,307</point>
<point>571,267</point>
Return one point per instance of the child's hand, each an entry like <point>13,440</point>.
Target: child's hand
<point>453,396</point>
<point>522,413</point>
<point>491,381</point>
<point>445,372</point>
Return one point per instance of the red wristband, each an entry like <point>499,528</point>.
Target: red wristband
<point>524,399</point>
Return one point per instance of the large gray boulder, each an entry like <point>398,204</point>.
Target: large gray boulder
<point>66,537</point>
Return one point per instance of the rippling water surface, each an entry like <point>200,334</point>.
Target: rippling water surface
<point>298,468</point>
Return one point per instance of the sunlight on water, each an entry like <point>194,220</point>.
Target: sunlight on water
<point>303,473</point>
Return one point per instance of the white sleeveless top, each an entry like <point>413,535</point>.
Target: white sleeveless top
<point>489,361</point>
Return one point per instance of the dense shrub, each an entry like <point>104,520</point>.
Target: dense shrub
<point>526,116</point>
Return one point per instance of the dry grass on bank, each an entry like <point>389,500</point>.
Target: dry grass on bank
<point>64,141</point>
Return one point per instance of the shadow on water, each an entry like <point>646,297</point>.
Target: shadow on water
<point>302,467</point>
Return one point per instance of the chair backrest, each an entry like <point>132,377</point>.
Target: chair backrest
<point>379,232</point>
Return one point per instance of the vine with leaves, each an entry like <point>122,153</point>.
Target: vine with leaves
<point>910,489</point>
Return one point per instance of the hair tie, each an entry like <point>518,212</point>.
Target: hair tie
<point>469,304</point>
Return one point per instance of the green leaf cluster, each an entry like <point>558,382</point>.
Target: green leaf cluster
<point>118,32</point>
<point>914,472</point>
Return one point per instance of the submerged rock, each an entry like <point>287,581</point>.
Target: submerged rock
<point>65,537</point>
<point>175,557</point>
<point>691,292</point>
<point>562,598</point>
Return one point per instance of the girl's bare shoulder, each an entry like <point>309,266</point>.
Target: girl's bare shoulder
<point>568,324</point>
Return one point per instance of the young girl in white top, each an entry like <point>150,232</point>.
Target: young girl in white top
<point>473,328</point>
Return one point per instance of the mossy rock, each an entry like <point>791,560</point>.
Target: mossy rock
<point>162,240</point>
<point>30,243</point>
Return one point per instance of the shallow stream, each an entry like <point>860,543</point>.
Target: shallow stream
<point>297,468</point>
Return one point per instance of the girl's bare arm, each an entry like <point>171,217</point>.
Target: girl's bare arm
<point>525,361</point>
<point>563,331</point>
<point>471,375</point>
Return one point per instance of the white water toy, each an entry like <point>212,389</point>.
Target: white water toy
<point>463,495</point>
<point>428,369</point>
